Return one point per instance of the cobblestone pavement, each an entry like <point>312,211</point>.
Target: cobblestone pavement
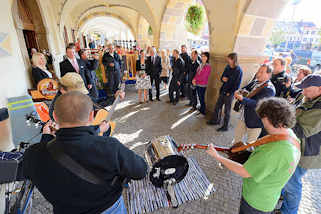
<point>136,124</point>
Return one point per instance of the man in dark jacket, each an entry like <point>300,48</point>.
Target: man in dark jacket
<point>107,160</point>
<point>91,44</point>
<point>308,130</point>
<point>187,62</point>
<point>71,64</point>
<point>112,63</point>
<point>279,77</point>
<point>194,64</point>
<point>250,124</point>
<point>91,66</point>
<point>154,69</point>
<point>177,77</point>
<point>231,79</point>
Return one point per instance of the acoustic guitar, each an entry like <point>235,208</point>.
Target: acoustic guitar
<point>104,115</point>
<point>238,152</point>
<point>240,156</point>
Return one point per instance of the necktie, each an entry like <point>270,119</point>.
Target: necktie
<point>154,59</point>
<point>75,65</point>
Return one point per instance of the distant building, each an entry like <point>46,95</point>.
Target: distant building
<point>299,35</point>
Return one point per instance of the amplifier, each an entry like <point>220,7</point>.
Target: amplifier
<point>11,169</point>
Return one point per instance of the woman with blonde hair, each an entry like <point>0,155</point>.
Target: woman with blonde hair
<point>166,65</point>
<point>39,69</point>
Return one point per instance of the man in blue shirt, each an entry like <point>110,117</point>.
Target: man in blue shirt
<point>231,79</point>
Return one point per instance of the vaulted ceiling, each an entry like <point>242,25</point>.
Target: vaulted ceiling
<point>129,10</point>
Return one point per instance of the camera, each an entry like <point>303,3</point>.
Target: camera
<point>284,79</point>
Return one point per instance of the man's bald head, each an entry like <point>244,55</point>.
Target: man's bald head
<point>73,108</point>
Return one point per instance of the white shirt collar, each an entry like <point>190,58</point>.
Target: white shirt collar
<point>71,60</point>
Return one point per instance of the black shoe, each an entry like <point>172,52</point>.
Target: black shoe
<point>158,99</point>
<point>222,129</point>
<point>174,103</point>
<point>212,123</point>
<point>169,101</point>
<point>151,100</point>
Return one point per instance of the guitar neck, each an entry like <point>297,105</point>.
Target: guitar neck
<point>184,147</point>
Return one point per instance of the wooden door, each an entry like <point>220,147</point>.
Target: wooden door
<point>31,40</point>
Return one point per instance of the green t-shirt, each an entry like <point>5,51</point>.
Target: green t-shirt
<point>270,166</point>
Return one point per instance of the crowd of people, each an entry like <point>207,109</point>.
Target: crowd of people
<point>285,112</point>
<point>184,76</point>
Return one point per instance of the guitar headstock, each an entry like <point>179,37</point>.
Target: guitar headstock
<point>32,119</point>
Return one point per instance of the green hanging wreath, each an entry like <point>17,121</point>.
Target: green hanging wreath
<point>150,31</point>
<point>195,19</point>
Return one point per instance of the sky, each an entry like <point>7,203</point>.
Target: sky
<point>306,10</point>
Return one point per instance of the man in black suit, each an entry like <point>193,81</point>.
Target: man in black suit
<point>194,64</point>
<point>112,64</point>
<point>154,69</point>
<point>177,77</point>
<point>187,62</point>
<point>71,64</point>
<point>91,66</point>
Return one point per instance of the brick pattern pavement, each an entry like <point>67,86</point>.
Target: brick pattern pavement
<point>136,124</point>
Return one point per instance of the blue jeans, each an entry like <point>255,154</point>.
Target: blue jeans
<point>201,95</point>
<point>292,192</point>
<point>117,208</point>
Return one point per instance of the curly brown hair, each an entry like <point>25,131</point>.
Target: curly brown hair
<point>278,111</point>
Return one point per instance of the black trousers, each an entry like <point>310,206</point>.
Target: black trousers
<point>227,102</point>
<point>94,91</point>
<point>245,208</point>
<point>192,95</point>
<point>157,83</point>
<point>112,85</point>
<point>174,88</point>
<point>182,89</point>
<point>201,95</point>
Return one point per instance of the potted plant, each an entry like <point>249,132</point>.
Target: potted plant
<point>195,19</point>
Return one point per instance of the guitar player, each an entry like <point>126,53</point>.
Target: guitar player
<point>271,165</point>
<point>249,123</point>
<point>73,82</point>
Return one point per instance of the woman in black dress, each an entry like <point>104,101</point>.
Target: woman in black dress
<point>39,69</point>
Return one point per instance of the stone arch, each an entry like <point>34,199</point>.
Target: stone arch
<point>84,20</point>
<point>232,25</point>
<point>143,38</point>
<point>255,28</point>
<point>139,7</point>
<point>30,27</point>
<point>173,32</point>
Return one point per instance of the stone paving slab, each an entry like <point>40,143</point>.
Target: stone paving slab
<point>136,124</point>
